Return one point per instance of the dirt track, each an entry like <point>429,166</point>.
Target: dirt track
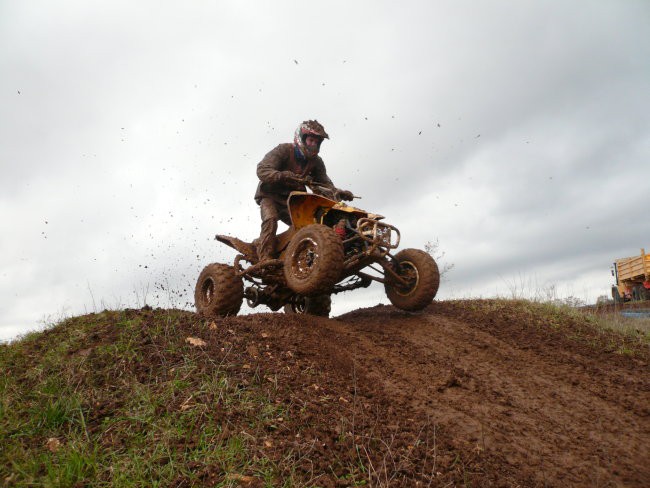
<point>524,406</point>
<point>465,393</point>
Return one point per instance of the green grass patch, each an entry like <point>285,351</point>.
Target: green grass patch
<point>108,400</point>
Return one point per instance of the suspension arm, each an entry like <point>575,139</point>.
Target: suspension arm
<point>363,282</point>
<point>371,277</point>
<point>393,277</point>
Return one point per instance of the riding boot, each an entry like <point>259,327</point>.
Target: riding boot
<point>266,242</point>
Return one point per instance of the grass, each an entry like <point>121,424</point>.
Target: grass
<point>113,417</point>
<point>602,329</point>
<point>120,399</point>
<point>605,315</point>
<point>611,319</point>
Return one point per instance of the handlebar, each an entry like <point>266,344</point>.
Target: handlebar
<point>317,187</point>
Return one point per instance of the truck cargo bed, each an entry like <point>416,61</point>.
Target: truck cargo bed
<point>634,268</point>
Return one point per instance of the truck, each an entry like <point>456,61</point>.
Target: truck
<point>632,277</point>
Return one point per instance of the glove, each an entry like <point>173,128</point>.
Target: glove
<point>345,195</point>
<point>290,180</point>
<point>294,184</point>
<point>285,177</point>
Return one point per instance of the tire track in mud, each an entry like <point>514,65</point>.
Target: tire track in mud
<point>552,414</point>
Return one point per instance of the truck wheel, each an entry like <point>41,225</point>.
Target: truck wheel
<point>320,305</point>
<point>420,270</point>
<point>313,261</point>
<point>219,291</point>
<point>645,293</point>
<point>639,293</point>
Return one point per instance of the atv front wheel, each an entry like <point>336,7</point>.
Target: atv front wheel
<point>320,305</point>
<point>313,261</point>
<point>219,291</point>
<point>421,273</point>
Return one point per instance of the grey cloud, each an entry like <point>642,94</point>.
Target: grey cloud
<point>131,113</point>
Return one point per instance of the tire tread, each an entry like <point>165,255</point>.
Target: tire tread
<point>229,291</point>
<point>427,287</point>
<point>331,257</point>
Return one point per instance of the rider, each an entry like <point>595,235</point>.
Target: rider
<point>281,172</point>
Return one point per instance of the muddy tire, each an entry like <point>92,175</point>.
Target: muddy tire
<point>639,293</point>
<point>313,261</point>
<point>644,293</point>
<point>421,271</point>
<point>219,291</point>
<point>320,305</point>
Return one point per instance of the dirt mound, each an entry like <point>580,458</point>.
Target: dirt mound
<point>476,393</point>
<point>510,400</point>
<point>550,406</point>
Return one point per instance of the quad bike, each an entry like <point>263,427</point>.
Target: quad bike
<point>328,249</point>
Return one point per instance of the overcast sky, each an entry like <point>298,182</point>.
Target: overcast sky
<point>517,133</point>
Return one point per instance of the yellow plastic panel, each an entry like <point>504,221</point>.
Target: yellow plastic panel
<point>303,206</point>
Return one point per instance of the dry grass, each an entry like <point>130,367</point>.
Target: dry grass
<point>601,329</point>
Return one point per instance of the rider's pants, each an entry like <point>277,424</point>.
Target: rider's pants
<point>271,211</point>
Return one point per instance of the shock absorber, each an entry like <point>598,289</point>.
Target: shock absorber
<point>339,228</point>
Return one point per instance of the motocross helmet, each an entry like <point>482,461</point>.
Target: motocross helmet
<point>309,128</point>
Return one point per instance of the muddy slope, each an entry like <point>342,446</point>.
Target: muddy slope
<point>466,393</point>
<point>522,405</point>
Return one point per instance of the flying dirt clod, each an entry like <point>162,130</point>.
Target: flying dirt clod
<point>329,248</point>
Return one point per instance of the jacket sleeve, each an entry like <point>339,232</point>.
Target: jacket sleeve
<point>269,168</point>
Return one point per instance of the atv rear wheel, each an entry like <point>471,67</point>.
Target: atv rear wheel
<point>219,291</point>
<point>420,270</point>
<point>313,261</point>
<point>320,305</point>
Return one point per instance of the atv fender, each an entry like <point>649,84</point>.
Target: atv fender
<point>303,207</point>
<point>245,248</point>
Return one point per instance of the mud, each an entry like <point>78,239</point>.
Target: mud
<point>451,396</point>
<point>499,403</point>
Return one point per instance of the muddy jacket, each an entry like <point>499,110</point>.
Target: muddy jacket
<point>282,158</point>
